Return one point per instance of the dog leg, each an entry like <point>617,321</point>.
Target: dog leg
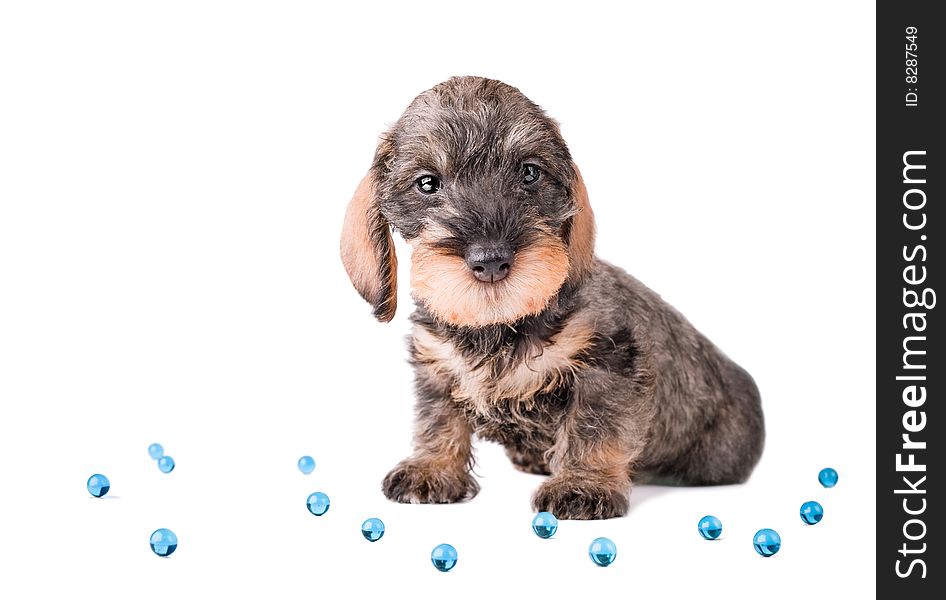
<point>439,470</point>
<point>593,458</point>
<point>597,487</point>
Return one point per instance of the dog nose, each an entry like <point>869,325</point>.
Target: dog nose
<point>489,263</point>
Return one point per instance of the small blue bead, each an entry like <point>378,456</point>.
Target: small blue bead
<point>98,485</point>
<point>318,503</point>
<point>545,525</point>
<point>767,542</point>
<point>306,464</point>
<point>155,451</point>
<point>828,477</point>
<point>811,512</point>
<point>444,557</point>
<point>372,529</point>
<point>163,542</point>
<point>602,551</point>
<point>166,464</point>
<point>710,527</point>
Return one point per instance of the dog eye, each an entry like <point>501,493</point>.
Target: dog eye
<point>530,174</point>
<point>428,184</point>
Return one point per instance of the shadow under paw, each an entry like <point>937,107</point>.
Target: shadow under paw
<point>575,498</point>
<point>420,482</point>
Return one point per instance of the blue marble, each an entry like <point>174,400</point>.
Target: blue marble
<point>545,525</point>
<point>767,542</point>
<point>602,551</point>
<point>372,529</point>
<point>828,477</point>
<point>163,542</point>
<point>444,557</point>
<point>98,485</point>
<point>811,512</point>
<point>710,527</point>
<point>166,464</point>
<point>318,503</point>
<point>155,451</point>
<point>306,464</point>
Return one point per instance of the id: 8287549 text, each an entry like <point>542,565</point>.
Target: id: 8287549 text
<point>911,60</point>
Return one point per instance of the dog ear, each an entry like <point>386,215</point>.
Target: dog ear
<point>581,233</point>
<point>368,250</point>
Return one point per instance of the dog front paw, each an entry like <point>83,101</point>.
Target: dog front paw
<point>415,481</point>
<point>577,497</point>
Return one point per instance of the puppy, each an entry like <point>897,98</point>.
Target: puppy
<point>520,334</point>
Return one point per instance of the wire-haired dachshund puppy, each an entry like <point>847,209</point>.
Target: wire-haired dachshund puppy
<point>520,334</point>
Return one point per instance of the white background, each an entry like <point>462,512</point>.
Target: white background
<point>173,177</point>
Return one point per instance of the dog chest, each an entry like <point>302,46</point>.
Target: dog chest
<point>521,424</point>
<point>498,385</point>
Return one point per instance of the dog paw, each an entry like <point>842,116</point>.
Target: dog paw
<point>421,482</point>
<point>528,462</point>
<point>575,497</point>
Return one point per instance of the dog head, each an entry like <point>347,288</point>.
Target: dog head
<point>478,180</point>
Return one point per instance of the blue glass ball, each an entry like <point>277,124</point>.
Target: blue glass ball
<point>444,557</point>
<point>166,464</point>
<point>155,451</point>
<point>163,542</point>
<point>545,525</point>
<point>602,551</point>
<point>372,529</point>
<point>828,477</point>
<point>318,503</point>
<point>767,542</point>
<point>306,464</point>
<point>811,512</point>
<point>710,527</point>
<point>98,485</point>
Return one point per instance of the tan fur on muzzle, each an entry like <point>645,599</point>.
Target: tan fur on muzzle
<point>446,286</point>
